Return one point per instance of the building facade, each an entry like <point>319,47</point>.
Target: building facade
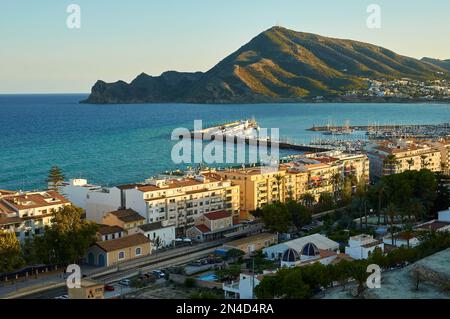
<point>27,214</point>
<point>314,174</point>
<point>182,201</point>
<point>394,157</point>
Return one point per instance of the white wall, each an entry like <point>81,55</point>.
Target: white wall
<point>135,200</point>
<point>99,203</point>
<point>166,235</point>
<point>444,216</point>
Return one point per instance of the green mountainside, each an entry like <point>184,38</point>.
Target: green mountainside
<point>277,65</point>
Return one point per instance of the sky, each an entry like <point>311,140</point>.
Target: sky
<point>117,40</point>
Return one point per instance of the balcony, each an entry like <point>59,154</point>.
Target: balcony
<point>231,287</point>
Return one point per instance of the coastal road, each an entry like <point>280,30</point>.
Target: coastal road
<point>116,276</point>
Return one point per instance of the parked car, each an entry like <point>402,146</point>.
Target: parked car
<point>125,282</point>
<point>158,273</point>
<point>109,288</point>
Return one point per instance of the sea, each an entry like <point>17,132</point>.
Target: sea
<point>116,144</point>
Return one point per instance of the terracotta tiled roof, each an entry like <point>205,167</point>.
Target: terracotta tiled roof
<point>217,215</point>
<point>435,225</point>
<point>124,242</point>
<point>127,215</point>
<point>35,200</point>
<point>203,228</point>
<point>107,229</point>
<point>10,220</point>
<point>153,226</point>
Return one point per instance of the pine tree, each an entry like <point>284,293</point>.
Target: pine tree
<point>55,178</point>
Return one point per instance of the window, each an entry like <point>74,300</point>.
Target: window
<point>138,251</point>
<point>121,255</point>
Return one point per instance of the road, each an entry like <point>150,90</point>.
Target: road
<point>114,277</point>
<point>165,259</point>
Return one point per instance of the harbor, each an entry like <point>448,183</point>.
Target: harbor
<point>377,131</point>
<point>247,132</point>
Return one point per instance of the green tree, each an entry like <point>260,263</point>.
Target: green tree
<point>442,200</point>
<point>10,253</point>
<point>391,212</point>
<point>301,216</point>
<point>55,178</point>
<point>307,199</point>
<point>276,217</point>
<point>390,164</point>
<point>293,285</point>
<point>230,273</point>
<point>360,274</point>
<point>269,288</point>
<point>67,239</point>
<point>346,192</point>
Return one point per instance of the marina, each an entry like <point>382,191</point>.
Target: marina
<point>377,131</point>
<point>246,132</point>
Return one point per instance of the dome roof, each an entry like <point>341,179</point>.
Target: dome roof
<point>310,250</point>
<point>290,256</point>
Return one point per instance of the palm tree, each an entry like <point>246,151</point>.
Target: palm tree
<point>391,164</point>
<point>308,199</point>
<point>279,180</point>
<point>410,163</point>
<point>423,160</point>
<point>408,233</point>
<point>336,180</point>
<point>415,208</point>
<point>380,190</point>
<point>391,212</point>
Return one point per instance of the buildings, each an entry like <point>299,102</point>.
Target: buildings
<point>397,156</point>
<point>161,235</point>
<point>443,145</point>
<point>89,290</point>
<point>242,289</point>
<point>442,224</point>
<point>127,219</point>
<point>211,226</point>
<point>403,239</point>
<point>321,242</point>
<point>107,232</point>
<point>252,243</point>
<point>182,201</point>
<point>27,214</point>
<point>111,252</point>
<point>95,200</point>
<point>361,246</point>
<point>313,173</point>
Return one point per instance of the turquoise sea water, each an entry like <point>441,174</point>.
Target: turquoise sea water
<point>112,144</point>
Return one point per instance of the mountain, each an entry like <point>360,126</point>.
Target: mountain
<point>277,65</point>
<point>445,64</point>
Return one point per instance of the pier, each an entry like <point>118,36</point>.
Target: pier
<point>246,132</point>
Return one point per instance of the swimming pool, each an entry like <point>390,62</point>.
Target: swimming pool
<point>208,277</point>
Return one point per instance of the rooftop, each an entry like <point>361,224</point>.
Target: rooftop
<point>124,242</point>
<point>217,215</point>
<point>35,200</point>
<point>153,226</point>
<point>107,229</point>
<point>250,239</point>
<point>127,215</point>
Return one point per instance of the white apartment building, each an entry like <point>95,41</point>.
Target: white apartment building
<point>182,201</point>
<point>407,155</point>
<point>95,200</point>
<point>361,246</point>
<point>242,289</point>
<point>27,214</point>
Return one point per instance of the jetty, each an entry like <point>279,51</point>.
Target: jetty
<point>246,132</point>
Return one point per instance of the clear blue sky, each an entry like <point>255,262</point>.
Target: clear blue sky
<point>120,39</point>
